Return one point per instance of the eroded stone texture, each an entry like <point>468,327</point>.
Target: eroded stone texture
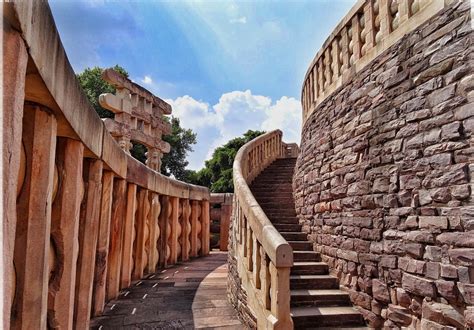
<point>384,179</point>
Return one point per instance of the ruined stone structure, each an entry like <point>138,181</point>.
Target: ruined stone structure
<point>384,180</point>
<point>82,219</point>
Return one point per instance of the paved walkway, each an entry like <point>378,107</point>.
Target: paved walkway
<point>191,295</point>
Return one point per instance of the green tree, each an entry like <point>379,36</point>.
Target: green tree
<point>217,172</point>
<point>180,140</point>
<point>93,85</point>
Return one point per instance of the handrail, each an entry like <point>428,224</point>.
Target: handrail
<point>268,256</point>
<point>84,218</point>
<point>370,28</point>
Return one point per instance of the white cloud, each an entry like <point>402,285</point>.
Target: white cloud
<point>240,20</point>
<point>234,114</point>
<point>147,80</point>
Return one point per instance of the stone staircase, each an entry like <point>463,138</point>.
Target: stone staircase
<point>316,300</point>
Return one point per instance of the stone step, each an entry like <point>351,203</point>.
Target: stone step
<point>292,236</point>
<point>318,297</point>
<point>306,255</point>
<point>286,199</point>
<point>301,245</point>
<point>274,214</point>
<point>309,268</point>
<point>277,206</point>
<point>288,227</point>
<point>282,219</point>
<point>305,317</point>
<point>313,282</point>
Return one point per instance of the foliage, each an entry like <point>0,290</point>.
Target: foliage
<point>217,173</point>
<point>180,140</point>
<point>93,85</point>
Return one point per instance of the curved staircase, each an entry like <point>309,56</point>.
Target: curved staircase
<point>316,300</point>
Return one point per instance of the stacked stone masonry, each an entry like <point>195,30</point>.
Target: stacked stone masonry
<point>385,176</point>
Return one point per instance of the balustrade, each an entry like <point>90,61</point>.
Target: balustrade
<point>264,256</point>
<point>371,27</point>
<point>220,214</point>
<point>88,219</point>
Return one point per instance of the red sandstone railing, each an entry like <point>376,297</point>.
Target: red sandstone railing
<point>264,256</point>
<point>220,213</point>
<point>370,28</point>
<point>82,219</point>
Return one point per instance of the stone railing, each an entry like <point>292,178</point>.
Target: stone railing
<point>220,213</point>
<point>370,28</point>
<point>82,219</point>
<point>264,256</point>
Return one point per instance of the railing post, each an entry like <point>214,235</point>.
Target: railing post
<point>34,220</point>
<point>64,232</point>
<point>404,10</point>
<point>280,297</point>
<point>369,25</point>
<point>128,236</point>
<point>194,233</point>
<point>15,59</point>
<point>139,260</point>
<point>356,37</point>
<point>205,229</point>
<point>173,238</point>
<point>154,235</point>
<point>88,230</point>
<point>163,247</point>
<point>385,17</point>
<point>102,250</point>
<point>114,260</point>
<point>265,278</point>
<point>186,230</point>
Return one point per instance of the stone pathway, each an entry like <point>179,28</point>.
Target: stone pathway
<point>191,295</point>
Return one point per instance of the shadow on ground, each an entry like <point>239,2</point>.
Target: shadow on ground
<point>191,295</point>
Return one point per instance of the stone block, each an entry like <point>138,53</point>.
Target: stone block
<point>457,239</point>
<point>462,257</point>
<point>432,270</point>
<point>432,253</point>
<point>451,130</point>
<point>418,286</point>
<point>403,298</point>
<point>447,289</point>
<point>443,314</point>
<point>380,291</point>
<point>433,223</point>
<point>449,271</point>
<point>399,315</point>
<point>441,95</point>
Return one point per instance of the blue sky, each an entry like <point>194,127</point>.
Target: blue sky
<point>224,66</point>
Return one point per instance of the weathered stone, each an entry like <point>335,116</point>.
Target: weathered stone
<point>432,253</point>
<point>434,71</point>
<point>380,291</point>
<point>409,182</point>
<point>451,131</point>
<point>411,265</point>
<point>467,292</point>
<point>449,271</point>
<point>361,299</point>
<point>442,313</point>
<point>433,222</point>
<point>388,261</point>
<point>441,195</point>
<point>419,286</point>
<point>358,188</point>
<point>372,319</point>
<point>447,289</point>
<point>403,298</point>
<point>462,257</point>
<point>414,249</point>
<point>458,239</point>
<point>420,236</point>
<point>399,314</point>
<point>441,95</point>
<point>460,192</point>
<point>424,197</point>
<point>432,270</point>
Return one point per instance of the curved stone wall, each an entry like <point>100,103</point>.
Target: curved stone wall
<point>385,176</point>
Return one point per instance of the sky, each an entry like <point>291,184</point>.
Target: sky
<point>224,66</point>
